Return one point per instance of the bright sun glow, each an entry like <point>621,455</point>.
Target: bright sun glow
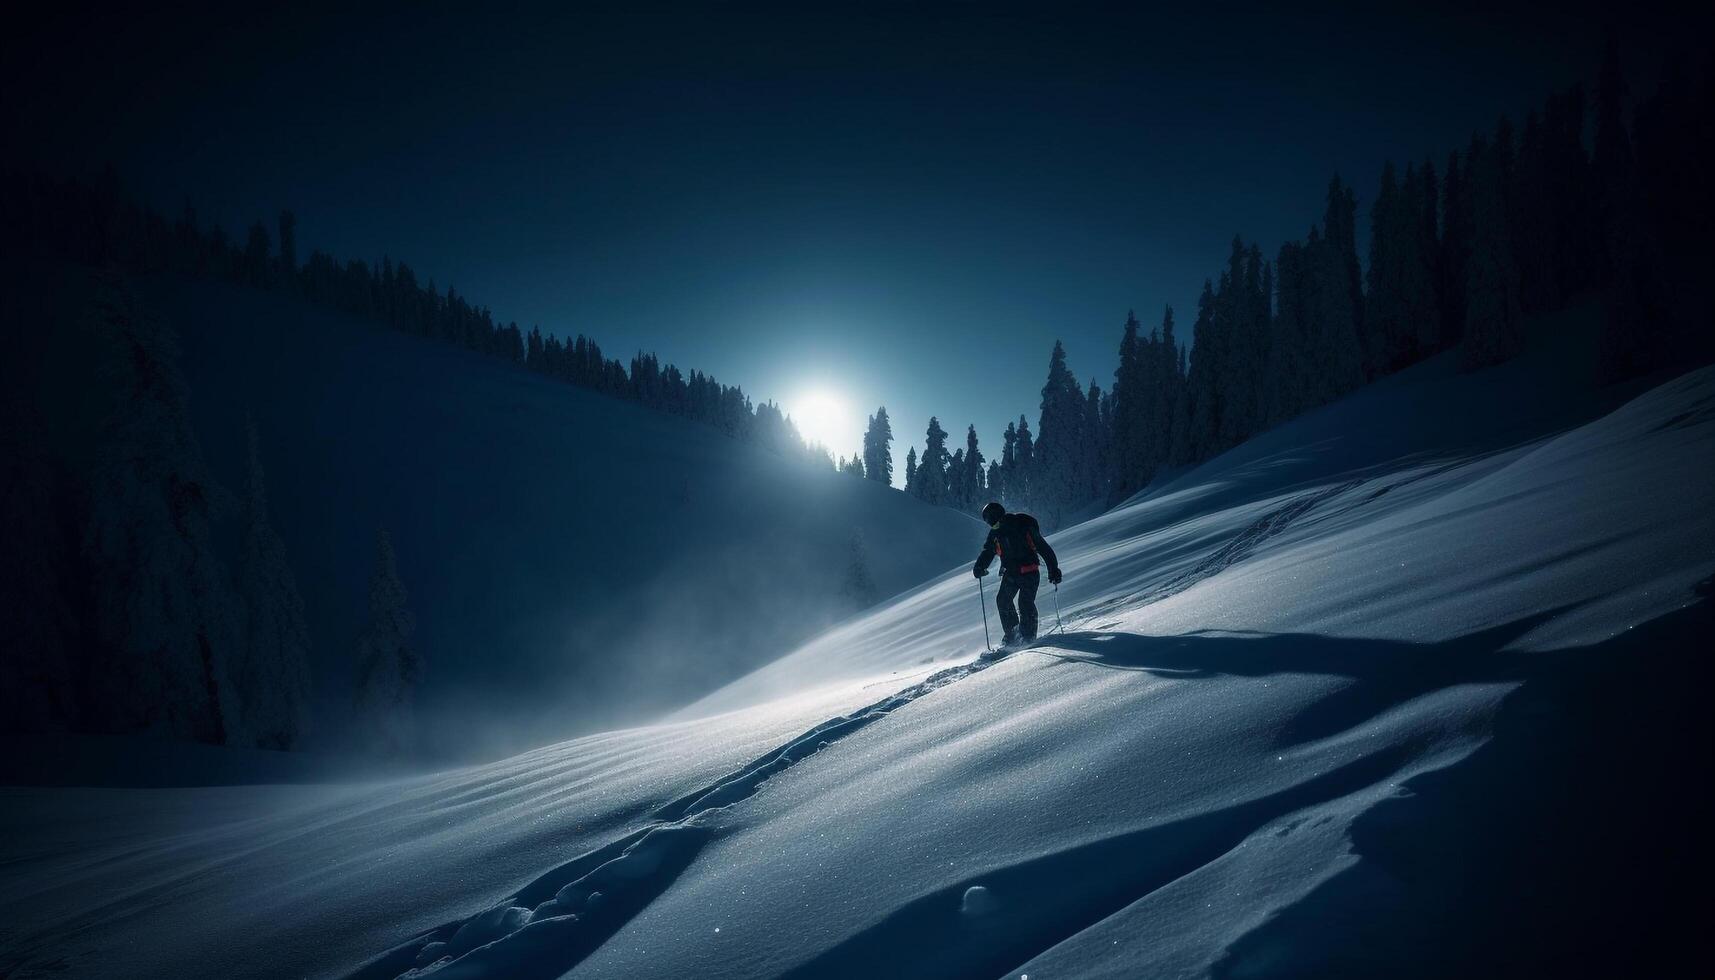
<point>821,416</point>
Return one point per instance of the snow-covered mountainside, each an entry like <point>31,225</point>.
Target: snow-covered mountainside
<point>1409,686</point>
<point>573,562</point>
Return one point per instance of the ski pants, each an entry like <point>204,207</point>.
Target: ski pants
<point>1023,619</point>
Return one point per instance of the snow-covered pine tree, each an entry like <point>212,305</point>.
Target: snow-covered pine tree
<point>389,668</point>
<point>878,448</point>
<point>1058,450</point>
<point>1021,479</point>
<point>272,670</point>
<point>930,483</point>
<point>164,612</point>
<point>958,495</point>
<point>974,483</point>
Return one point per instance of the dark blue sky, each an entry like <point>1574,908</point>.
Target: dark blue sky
<point>905,206</point>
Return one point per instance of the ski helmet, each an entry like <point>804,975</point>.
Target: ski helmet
<point>993,512</point>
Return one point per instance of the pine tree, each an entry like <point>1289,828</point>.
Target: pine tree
<point>1059,447</point>
<point>1179,446</point>
<point>1233,423</point>
<point>1169,373</point>
<point>1340,230</point>
<point>911,472</point>
<point>1021,479</point>
<point>858,587</point>
<point>930,482</point>
<point>1493,331</point>
<point>1455,252</point>
<point>1294,338</point>
<point>1199,437</point>
<point>959,490</point>
<point>1000,485</point>
<point>1094,459</point>
<point>1384,329</point>
<point>1249,309</point>
<point>972,481</point>
<point>164,611</point>
<point>1531,222</point>
<point>1423,285</point>
<point>1131,421</point>
<point>878,448</point>
<point>389,669</point>
<point>1402,324</point>
<point>272,672</point>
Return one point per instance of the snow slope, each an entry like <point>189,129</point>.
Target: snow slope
<point>1385,691</point>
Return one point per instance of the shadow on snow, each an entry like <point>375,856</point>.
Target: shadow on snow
<point>1556,845</point>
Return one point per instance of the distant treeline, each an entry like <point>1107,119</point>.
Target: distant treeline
<point>1611,200</point>
<point>96,222</point>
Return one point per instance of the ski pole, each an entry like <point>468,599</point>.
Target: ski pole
<point>1059,627</point>
<point>982,600</point>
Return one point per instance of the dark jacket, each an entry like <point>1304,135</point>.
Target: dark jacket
<point>1017,539</point>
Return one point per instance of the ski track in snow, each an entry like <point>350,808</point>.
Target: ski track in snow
<point>1237,549</point>
<point>564,915</point>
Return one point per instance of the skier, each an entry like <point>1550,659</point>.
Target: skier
<point>1017,539</point>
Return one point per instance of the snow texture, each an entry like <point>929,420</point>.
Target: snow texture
<point>1346,700</point>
